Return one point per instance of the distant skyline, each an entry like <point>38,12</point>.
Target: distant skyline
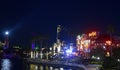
<point>26,18</point>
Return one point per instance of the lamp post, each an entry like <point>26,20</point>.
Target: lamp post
<point>6,39</point>
<point>109,47</point>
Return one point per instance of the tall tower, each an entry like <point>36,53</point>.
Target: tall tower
<point>57,39</point>
<point>57,45</point>
<point>6,39</point>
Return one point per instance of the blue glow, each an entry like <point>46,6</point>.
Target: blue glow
<point>68,51</point>
<point>6,64</point>
<point>6,33</point>
<point>33,46</point>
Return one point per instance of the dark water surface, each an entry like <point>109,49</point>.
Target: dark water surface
<point>19,64</point>
<point>12,64</point>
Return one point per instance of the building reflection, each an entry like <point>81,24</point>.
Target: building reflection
<point>41,67</point>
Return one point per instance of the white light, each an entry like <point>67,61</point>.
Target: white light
<point>36,67</point>
<point>56,69</point>
<point>78,37</point>
<point>118,60</point>
<point>51,68</point>
<point>93,57</point>
<point>31,54</point>
<point>50,48</point>
<point>104,47</point>
<point>37,54</point>
<point>68,51</point>
<point>6,32</point>
<point>98,58</point>
<point>61,69</point>
<point>6,64</point>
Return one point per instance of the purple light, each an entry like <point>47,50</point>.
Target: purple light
<point>33,46</point>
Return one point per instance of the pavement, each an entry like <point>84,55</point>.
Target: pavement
<point>92,67</point>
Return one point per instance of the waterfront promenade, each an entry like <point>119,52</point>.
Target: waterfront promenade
<point>62,64</point>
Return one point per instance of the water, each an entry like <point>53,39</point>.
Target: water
<point>11,64</point>
<point>40,67</point>
<point>19,64</point>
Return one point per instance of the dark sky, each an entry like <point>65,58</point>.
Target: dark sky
<point>28,17</point>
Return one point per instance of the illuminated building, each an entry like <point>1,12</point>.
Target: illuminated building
<point>57,47</point>
<point>2,44</point>
<point>37,43</point>
<point>58,44</point>
<point>83,45</point>
<point>92,40</point>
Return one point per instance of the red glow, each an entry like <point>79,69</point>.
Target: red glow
<point>92,34</point>
<point>108,42</point>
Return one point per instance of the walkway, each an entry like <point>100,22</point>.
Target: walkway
<point>62,64</point>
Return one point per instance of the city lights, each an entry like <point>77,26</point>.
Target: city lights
<point>108,54</point>
<point>98,58</point>
<point>108,42</point>
<point>118,60</point>
<point>60,35</point>
<point>104,47</point>
<point>68,51</point>
<point>92,34</point>
<point>6,64</point>
<point>6,33</point>
<point>31,53</point>
<point>93,57</point>
<point>6,40</point>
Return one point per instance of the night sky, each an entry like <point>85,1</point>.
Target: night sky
<point>28,18</point>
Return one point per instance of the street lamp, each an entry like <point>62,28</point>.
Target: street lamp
<point>6,39</point>
<point>109,48</point>
<point>6,33</point>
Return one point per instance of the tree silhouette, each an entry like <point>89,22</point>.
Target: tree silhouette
<point>98,51</point>
<point>110,29</point>
<point>116,52</point>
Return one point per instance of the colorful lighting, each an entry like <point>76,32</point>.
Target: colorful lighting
<point>108,42</point>
<point>108,54</point>
<point>92,34</point>
<point>33,46</point>
<point>68,51</point>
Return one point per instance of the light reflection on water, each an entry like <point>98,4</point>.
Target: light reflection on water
<point>40,67</point>
<point>6,64</point>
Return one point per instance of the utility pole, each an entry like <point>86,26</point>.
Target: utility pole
<point>6,39</point>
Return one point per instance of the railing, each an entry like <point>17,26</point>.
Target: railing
<point>56,63</point>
